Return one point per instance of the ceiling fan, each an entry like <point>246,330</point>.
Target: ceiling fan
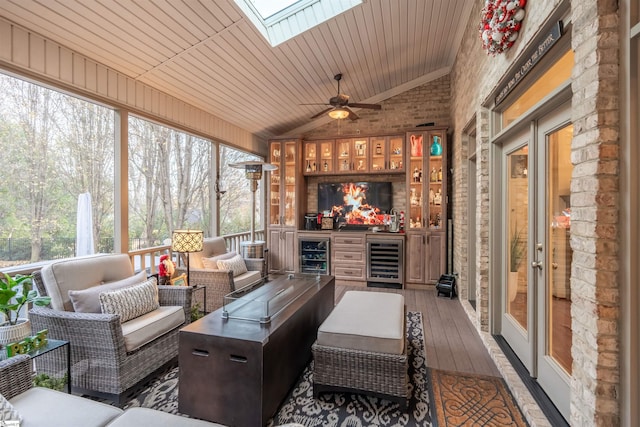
<point>340,106</point>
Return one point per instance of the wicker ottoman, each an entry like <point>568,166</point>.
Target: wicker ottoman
<point>361,347</point>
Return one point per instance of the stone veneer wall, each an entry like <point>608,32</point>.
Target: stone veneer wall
<point>595,289</point>
<point>429,102</point>
<point>595,385</point>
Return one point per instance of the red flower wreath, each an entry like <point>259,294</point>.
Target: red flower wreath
<point>501,21</point>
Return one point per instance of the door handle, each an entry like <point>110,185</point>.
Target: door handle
<point>536,264</point>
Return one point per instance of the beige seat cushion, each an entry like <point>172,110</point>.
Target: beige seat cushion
<point>45,407</point>
<point>146,328</point>
<point>150,417</point>
<point>248,278</point>
<point>367,321</point>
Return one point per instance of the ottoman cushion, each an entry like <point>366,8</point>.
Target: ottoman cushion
<point>366,321</point>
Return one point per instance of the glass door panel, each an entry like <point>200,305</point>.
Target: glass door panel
<point>378,153</point>
<point>360,155</point>
<point>416,192</point>
<point>436,193</point>
<point>517,235</point>
<point>310,157</point>
<point>290,182</point>
<point>343,155</point>
<point>560,254</point>
<point>274,191</point>
<point>326,156</point>
<point>396,153</point>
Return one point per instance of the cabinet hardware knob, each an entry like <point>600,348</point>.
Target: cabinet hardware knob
<point>536,264</point>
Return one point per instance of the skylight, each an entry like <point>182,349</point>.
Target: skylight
<point>266,8</point>
<point>280,20</point>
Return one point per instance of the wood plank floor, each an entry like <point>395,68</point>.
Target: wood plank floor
<point>452,343</point>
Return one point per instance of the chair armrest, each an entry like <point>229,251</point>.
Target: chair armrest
<point>92,335</point>
<point>16,375</point>
<point>176,296</point>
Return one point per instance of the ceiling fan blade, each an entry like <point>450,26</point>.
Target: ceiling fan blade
<point>316,103</point>
<point>352,115</point>
<point>326,110</point>
<point>370,106</point>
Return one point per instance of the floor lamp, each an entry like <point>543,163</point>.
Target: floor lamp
<point>187,241</point>
<point>253,172</point>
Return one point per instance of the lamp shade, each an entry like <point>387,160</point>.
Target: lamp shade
<point>338,113</point>
<point>187,241</point>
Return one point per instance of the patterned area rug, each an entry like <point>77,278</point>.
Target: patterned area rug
<point>356,410</point>
<point>458,399</point>
<point>340,410</point>
<point>473,400</point>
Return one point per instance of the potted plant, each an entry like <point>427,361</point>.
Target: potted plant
<point>15,292</point>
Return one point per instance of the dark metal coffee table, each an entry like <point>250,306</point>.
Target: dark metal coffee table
<point>237,371</point>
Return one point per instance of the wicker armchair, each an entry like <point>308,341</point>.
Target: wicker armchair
<point>220,282</point>
<point>101,364</point>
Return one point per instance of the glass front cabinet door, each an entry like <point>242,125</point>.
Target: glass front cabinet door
<point>387,153</point>
<point>427,205</point>
<point>318,157</point>
<point>352,155</point>
<point>282,187</point>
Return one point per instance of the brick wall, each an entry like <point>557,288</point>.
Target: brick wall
<point>429,102</point>
<point>594,219</point>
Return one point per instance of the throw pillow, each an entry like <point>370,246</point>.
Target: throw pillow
<point>235,264</point>
<point>8,412</point>
<point>131,302</point>
<point>211,263</point>
<point>88,300</point>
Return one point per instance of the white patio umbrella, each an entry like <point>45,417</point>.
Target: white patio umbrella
<point>84,226</point>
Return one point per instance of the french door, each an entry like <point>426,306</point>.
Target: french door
<point>536,292</point>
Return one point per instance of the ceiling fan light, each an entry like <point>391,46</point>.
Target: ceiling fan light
<point>338,113</point>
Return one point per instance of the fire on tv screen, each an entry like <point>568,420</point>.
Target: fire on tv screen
<point>357,203</point>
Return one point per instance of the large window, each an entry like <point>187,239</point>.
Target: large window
<point>57,187</point>
<point>235,204</point>
<point>56,191</point>
<point>169,183</point>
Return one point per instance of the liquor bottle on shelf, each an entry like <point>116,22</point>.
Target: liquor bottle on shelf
<point>308,166</point>
<point>325,166</point>
<point>378,149</point>
<point>434,175</point>
<point>440,175</point>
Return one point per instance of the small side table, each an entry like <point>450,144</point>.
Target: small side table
<point>50,346</point>
<point>204,296</point>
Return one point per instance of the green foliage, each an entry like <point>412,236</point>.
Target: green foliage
<point>44,380</point>
<point>15,292</point>
<point>195,312</point>
<point>516,249</point>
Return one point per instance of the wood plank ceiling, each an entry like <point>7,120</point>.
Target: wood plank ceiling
<point>207,53</point>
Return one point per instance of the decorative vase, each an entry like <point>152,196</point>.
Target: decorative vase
<point>416,145</point>
<point>13,333</point>
<point>436,148</point>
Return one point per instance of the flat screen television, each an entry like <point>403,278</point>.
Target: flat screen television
<point>356,203</point>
